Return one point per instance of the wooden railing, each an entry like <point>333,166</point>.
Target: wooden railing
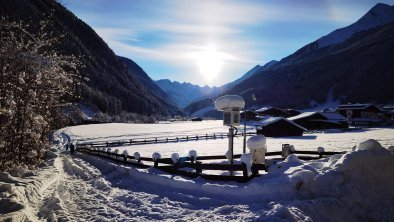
<point>154,140</point>
<point>197,166</point>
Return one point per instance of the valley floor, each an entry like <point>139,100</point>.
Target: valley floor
<point>356,186</point>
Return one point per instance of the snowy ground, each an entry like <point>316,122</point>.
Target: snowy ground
<point>356,186</point>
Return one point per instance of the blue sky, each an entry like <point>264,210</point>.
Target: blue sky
<point>212,42</point>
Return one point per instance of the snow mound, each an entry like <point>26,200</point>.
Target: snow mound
<point>156,156</point>
<point>370,144</point>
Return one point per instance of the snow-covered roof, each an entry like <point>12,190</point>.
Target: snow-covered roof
<point>263,109</point>
<point>271,120</point>
<point>302,115</point>
<point>356,106</point>
<point>327,115</point>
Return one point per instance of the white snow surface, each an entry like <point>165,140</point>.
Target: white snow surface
<point>379,15</point>
<point>356,186</point>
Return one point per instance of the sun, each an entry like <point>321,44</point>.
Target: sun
<point>209,61</point>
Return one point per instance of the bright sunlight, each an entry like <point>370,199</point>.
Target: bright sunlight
<point>209,61</point>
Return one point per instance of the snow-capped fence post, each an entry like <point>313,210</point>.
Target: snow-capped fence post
<point>156,157</point>
<point>131,142</point>
<point>285,150</point>
<point>246,160</point>
<point>320,150</point>
<point>125,155</point>
<point>116,154</point>
<point>258,148</point>
<point>137,157</point>
<point>175,158</point>
<point>193,156</point>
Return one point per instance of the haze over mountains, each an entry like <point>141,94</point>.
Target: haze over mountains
<point>352,64</point>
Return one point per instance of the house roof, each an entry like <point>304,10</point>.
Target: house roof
<point>263,109</point>
<point>302,115</point>
<point>356,106</point>
<point>333,116</point>
<point>327,115</point>
<point>271,120</point>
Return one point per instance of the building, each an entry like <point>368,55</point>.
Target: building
<point>271,111</point>
<point>194,119</point>
<point>321,120</point>
<point>362,114</point>
<point>279,127</point>
<point>250,115</point>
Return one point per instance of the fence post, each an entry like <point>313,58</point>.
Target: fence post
<point>221,135</point>
<point>198,167</point>
<point>131,141</point>
<point>214,136</point>
<point>245,170</point>
<point>177,139</point>
<point>187,138</point>
<point>106,143</point>
<point>196,137</point>
<point>206,136</point>
<point>156,139</point>
<point>167,139</point>
<point>156,163</point>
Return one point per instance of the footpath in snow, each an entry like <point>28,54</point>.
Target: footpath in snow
<point>356,186</point>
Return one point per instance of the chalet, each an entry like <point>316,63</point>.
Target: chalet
<point>271,111</point>
<point>279,127</point>
<point>250,115</point>
<point>321,120</point>
<point>195,119</point>
<point>362,114</point>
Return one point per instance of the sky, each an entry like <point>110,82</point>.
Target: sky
<point>212,42</point>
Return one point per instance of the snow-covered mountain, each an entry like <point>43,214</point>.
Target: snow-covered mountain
<point>380,14</point>
<point>185,93</point>
<point>357,67</point>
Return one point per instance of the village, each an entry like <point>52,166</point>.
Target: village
<point>276,122</point>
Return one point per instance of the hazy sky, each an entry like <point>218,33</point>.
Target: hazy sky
<point>212,42</point>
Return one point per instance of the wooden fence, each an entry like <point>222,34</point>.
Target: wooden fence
<point>142,141</point>
<point>197,167</point>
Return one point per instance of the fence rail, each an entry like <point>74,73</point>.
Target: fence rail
<point>142,141</point>
<point>197,166</point>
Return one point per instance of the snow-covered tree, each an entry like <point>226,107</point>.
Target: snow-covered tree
<point>35,80</point>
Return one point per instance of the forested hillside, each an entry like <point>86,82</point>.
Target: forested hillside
<point>106,82</point>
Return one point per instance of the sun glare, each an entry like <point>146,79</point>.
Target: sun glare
<point>209,61</point>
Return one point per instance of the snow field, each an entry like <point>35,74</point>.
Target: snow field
<point>356,186</point>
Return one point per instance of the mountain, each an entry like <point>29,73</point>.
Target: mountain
<point>185,93</point>
<point>355,68</point>
<point>140,75</point>
<point>379,15</point>
<point>254,70</point>
<point>107,83</point>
